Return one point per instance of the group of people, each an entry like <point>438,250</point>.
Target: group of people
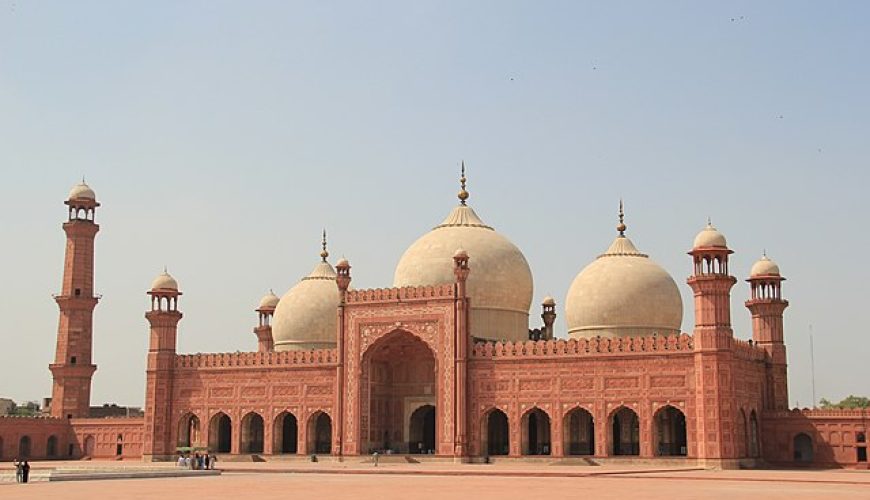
<point>22,470</point>
<point>197,461</point>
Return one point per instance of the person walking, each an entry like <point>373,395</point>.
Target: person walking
<point>19,470</point>
<point>26,469</point>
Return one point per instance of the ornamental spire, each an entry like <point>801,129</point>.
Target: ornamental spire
<point>463,194</point>
<point>323,253</point>
<point>621,226</point>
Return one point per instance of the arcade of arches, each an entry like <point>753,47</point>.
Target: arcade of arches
<point>398,395</point>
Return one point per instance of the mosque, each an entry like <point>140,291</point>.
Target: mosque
<point>448,365</point>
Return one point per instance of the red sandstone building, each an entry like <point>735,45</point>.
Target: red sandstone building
<point>444,363</point>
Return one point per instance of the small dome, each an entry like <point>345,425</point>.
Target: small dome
<point>460,253</point>
<point>164,281</point>
<point>710,237</point>
<point>270,300</point>
<point>82,191</point>
<point>764,267</point>
<point>548,301</point>
<point>305,317</point>
<point>623,293</point>
<point>342,262</point>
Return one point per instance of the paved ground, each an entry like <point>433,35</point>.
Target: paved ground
<point>252,482</point>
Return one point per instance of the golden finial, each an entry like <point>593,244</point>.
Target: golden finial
<point>463,194</point>
<point>323,253</point>
<point>164,269</point>
<point>621,226</point>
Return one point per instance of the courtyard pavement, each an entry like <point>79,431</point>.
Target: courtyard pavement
<point>271,480</point>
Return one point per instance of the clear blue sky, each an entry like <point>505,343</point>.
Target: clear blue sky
<point>222,136</point>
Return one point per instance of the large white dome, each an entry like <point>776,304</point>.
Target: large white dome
<point>623,294</point>
<point>306,315</point>
<point>500,282</point>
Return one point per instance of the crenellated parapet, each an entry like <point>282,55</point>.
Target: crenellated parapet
<point>748,351</point>
<point>308,358</point>
<point>594,346</point>
<point>406,293</point>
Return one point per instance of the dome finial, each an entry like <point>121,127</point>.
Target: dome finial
<point>463,194</point>
<point>709,221</point>
<point>323,253</point>
<point>621,227</point>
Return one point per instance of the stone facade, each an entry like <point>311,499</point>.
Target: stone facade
<point>408,376</point>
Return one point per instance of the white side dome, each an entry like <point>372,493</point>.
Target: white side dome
<point>623,294</point>
<point>306,315</point>
<point>164,281</point>
<point>500,282</point>
<point>82,191</point>
<point>764,267</point>
<point>710,237</point>
<point>270,300</point>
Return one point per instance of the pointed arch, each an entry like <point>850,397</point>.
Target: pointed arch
<point>319,434</point>
<point>578,429</point>
<point>189,430</point>
<point>220,431</point>
<point>536,432</point>
<point>754,444</point>
<point>495,433</point>
<point>51,447</point>
<point>285,433</point>
<point>24,447</point>
<point>624,431</point>
<point>670,432</point>
<point>253,432</point>
<point>802,445</point>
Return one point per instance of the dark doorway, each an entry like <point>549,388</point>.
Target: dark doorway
<point>320,434</point>
<point>803,448</point>
<point>24,447</point>
<point>626,432</point>
<point>536,431</point>
<point>51,447</point>
<point>286,431</point>
<point>497,433</point>
<point>422,430</point>
<point>579,433</point>
<point>671,432</point>
<point>188,430</point>
<point>252,433</point>
<point>220,433</point>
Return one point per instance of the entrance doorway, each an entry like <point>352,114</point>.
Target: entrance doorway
<point>803,448</point>
<point>671,432</point>
<point>320,433</point>
<point>626,432</point>
<point>496,433</point>
<point>398,370</point>
<point>188,430</point>
<point>220,431</point>
<point>536,433</point>
<point>422,430</point>
<point>252,433</point>
<point>579,433</point>
<point>286,434</point>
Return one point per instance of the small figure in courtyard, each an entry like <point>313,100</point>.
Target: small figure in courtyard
<point>213,461</point>
<point>19,470</point>
<point>26,469</point>
<point>180,460</point>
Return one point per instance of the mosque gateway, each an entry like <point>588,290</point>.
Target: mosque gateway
<point>448,363</point>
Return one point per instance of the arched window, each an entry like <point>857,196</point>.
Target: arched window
<point>496,433</point>
<point>51,447</point>
<point>536,433</point>
<point>579,430</point>
<point>670,432</point>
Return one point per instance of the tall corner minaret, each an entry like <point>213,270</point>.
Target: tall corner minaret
<point>767,307</point>
<point>263,330</point>
<point>711,284</point>
<point>713,339</point>
<point>73,366</point>
<point>163,318</point>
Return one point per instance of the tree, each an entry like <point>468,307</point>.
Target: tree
<point>851,402</point>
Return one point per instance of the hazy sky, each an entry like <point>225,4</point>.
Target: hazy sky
<point>221,137</point>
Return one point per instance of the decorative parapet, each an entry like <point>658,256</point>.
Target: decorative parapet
<point>315,357</point>
<point>405,293</point>
<point>41,418</point>
<point>594,346</point>
<point>747,350</point>
<point>862,413</point>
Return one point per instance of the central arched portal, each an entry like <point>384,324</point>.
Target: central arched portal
<point>397,396</point>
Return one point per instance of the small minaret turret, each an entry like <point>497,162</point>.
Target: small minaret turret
<point>263,330</point>
<point>767,307</point>
<point>461,346</point>
<point>73,366</point>
<point>549,316</point>
<point>163,318</point>
<point>711,283</point>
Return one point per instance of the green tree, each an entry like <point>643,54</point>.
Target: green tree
<point>850,402</point>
